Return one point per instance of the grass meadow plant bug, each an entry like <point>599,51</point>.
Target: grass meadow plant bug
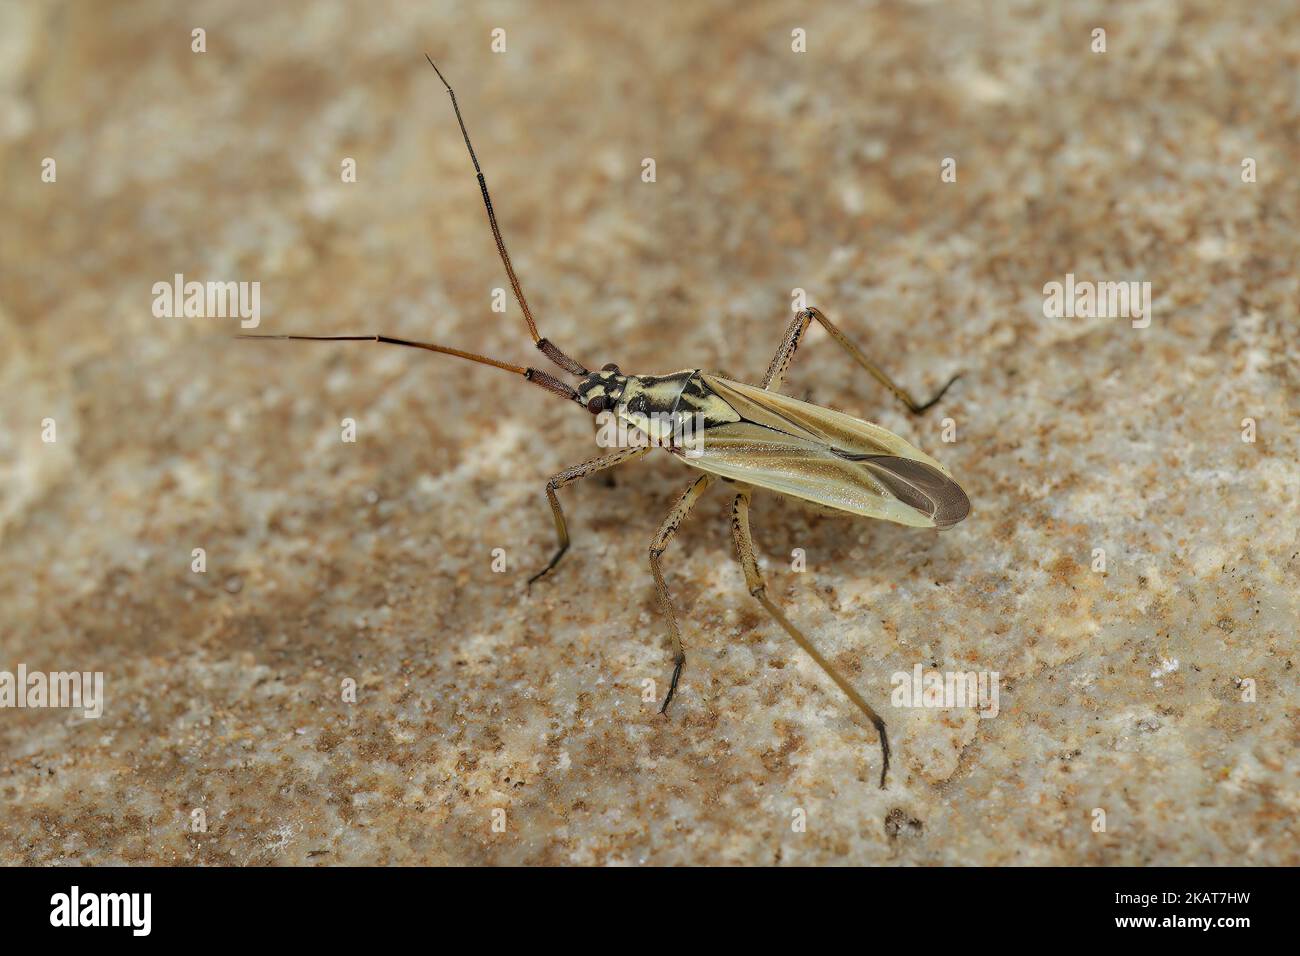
<point>750,436</point>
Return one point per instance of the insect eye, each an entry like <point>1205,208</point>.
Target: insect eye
<point>596,405</point>
<point>611,367</point>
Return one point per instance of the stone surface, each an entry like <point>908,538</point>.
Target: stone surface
<point>372,561</point>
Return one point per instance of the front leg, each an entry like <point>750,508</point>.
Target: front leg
<point>675,517</point>
<point>790,344</point>
<point>607,475</point>
<point>566,477</point>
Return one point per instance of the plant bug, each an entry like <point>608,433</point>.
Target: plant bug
<point>751,437</point>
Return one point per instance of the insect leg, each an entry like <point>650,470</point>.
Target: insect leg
<point>794,333</point>
<point>606,476</point>
<point>754,580</point>
<point>566,477</point>
<point>675,517</point>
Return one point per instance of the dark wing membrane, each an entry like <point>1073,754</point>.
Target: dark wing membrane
<point>919,486</point>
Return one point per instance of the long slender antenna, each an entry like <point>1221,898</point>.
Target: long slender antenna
<point>548,382</point>
<point>548,349</point>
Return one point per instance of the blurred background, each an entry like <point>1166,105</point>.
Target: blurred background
<point>794,147</point>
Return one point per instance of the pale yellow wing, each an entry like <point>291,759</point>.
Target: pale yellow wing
<point>825,457</point>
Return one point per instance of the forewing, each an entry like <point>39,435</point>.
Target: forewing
<point>828,458</point>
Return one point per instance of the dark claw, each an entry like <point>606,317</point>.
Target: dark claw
<point>884,749</point>
<point>528,588</point>
<point>548,569</point>
<point>678,662</point>
<point>918,409</point>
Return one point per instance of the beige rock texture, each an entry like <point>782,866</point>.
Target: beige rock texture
<point>1162,692</point>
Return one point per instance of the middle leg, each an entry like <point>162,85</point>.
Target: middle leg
<point>754,580</point>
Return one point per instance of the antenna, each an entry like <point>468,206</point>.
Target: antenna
<point>571,366</point>
<point>548,382</point>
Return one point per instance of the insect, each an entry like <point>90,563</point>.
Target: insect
<point>750,436</point>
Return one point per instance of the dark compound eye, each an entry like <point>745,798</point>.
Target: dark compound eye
<point>611,367</point>
<point>596,405</point>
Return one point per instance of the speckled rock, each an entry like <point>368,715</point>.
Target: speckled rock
<point>489,725</point>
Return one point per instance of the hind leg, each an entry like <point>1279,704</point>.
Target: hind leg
<point>790,344</point>
<point>754,581</point>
